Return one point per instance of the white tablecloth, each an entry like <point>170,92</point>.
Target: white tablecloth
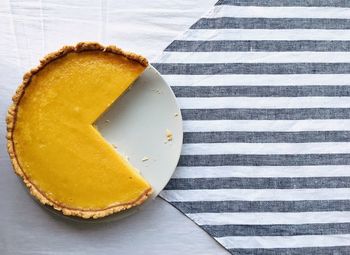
<point>29,29</point>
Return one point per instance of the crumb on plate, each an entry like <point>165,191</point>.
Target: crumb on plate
<point>169,135</point>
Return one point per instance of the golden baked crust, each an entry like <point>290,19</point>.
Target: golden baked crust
<point>11,122</point>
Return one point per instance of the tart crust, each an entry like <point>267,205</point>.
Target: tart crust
<point>11,123</point>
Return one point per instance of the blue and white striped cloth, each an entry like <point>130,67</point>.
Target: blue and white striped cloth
<point>264,88</point>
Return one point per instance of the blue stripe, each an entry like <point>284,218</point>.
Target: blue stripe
<point>252,68</point>
<point>265,160</point>
<point>259,183</point>
<point>261,91</point>
<point>271,23</point>
<point>266,114</point>
<point>277,230</point>
<point>266,137</point>
<point>305,3</point>
<point>263,45</point>
<point>262,206</point>
<point>339,250</point>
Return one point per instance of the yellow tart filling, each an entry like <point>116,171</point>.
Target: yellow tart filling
<point>56,146</point>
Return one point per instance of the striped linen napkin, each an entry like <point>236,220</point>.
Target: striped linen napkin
<point>264,90</point>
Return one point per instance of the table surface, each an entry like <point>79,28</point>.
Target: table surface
<point>29,30</point>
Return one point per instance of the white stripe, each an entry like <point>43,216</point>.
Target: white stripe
<point>278,12</point>
<point>254,57</point>
<point>263,102</point>
<point>265,34</point>
<point>265,125</point>
<point>264,148</point>
<point>232,242</point>
<point>261,171</point>
<point>270,218</point>
<point>255,194</point>
<point>258,79</point>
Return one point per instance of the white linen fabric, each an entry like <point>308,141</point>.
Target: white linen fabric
<point>29,30</point>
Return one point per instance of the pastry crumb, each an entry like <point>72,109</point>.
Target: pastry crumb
<point>126,157</point>
<point>107,121</point>
<point>169,135</point>
<point>145,159</point>
<point>176,114</point>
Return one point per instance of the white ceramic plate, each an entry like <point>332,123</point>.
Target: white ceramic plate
<point>137,124</point>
